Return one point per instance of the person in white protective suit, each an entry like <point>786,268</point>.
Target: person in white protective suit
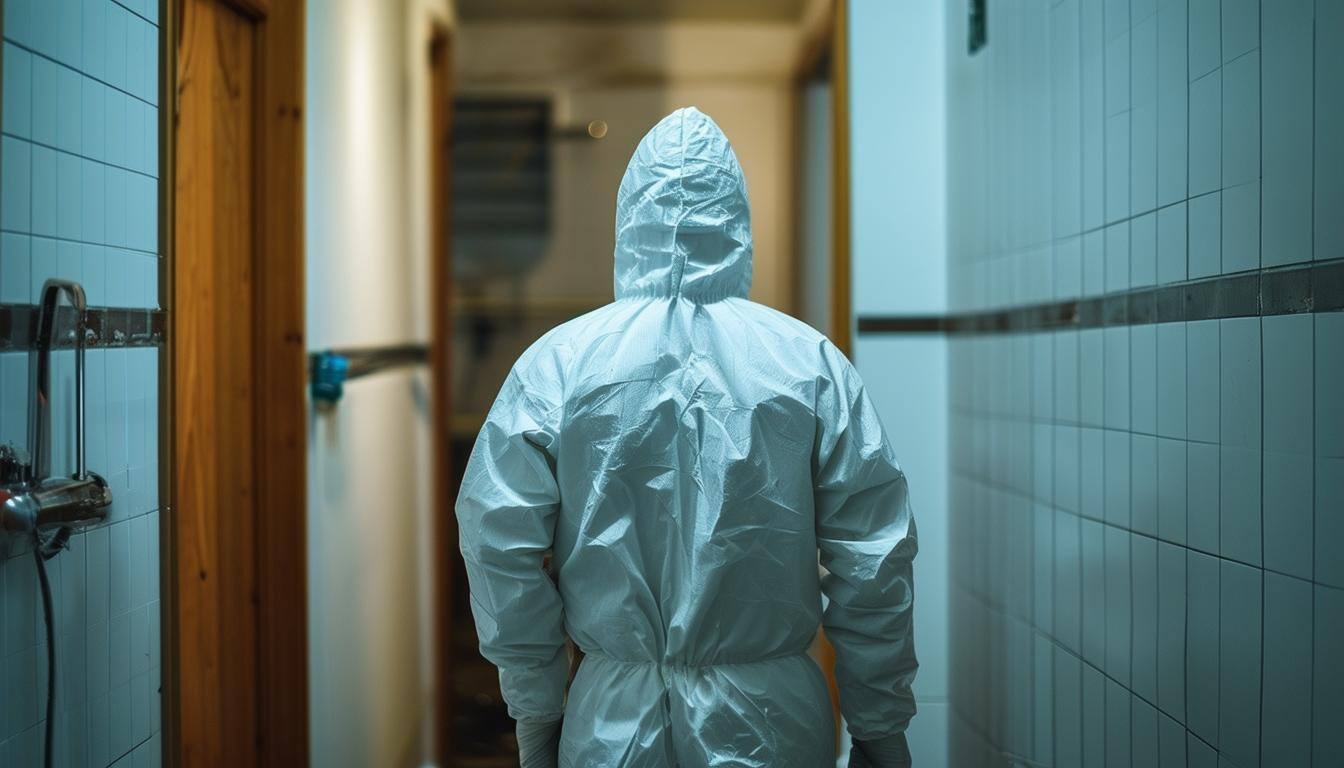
<point>685,454</point>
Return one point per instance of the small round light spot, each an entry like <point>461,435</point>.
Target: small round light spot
<point>597,129</point>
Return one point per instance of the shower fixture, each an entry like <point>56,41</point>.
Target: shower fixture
<point>37,502</point>
<point>32,502</point>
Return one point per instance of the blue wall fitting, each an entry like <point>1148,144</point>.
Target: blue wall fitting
<point>1147,520</point>
<point>79,200</point>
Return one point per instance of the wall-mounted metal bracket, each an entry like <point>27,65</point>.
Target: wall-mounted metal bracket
<point>329,370</point>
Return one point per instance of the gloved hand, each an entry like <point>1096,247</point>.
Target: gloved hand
<point>886,752</point>
<point>538,743</point>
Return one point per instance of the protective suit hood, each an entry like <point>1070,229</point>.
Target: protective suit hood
<point>683,223</point>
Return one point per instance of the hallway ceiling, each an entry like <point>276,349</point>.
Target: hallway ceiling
<point>624,10</point>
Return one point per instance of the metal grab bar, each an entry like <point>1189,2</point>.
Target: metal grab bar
<point>330,369</point>
<point>39,410</point>
<point>39,501</point>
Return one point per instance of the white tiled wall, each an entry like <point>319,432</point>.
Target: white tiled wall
<point>1197,122</point>
<point>79,200</point>
<point>1148,550</point>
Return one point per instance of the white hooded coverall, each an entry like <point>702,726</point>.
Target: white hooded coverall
<point>686,454</point>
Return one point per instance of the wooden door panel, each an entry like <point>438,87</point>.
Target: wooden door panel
<point>237,611</point>
<point>214,242</point>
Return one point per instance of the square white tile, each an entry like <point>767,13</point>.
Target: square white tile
<point>1205,236</point>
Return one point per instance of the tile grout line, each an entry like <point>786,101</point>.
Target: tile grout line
<point>1197,550</point>
<point>136,13</point>
<point>52,147</point>
<point>76,241</point>
<point>64,65</point>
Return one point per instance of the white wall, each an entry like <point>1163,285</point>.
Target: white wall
<point>899,263</point>
<point>898,155</point>
<point>367,240</point>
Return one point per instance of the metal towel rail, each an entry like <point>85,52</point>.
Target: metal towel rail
<point>330,369</point>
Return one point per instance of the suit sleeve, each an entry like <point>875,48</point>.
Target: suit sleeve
<point>867,541</point>
<point>506,512</point>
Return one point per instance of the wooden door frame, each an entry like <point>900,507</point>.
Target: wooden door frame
<point>279,688</point>
<point>829,39</point>
<point>814,51</point>
<point>842,321</point>
<point>440,269</point>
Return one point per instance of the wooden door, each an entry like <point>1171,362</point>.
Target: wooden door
<point>237,615</point>
<point>215,396</point>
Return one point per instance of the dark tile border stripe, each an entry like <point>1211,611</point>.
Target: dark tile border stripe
<point>1313,287</point>
<point>103,327</point>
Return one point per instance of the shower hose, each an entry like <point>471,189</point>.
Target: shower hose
<point>42,552</point>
